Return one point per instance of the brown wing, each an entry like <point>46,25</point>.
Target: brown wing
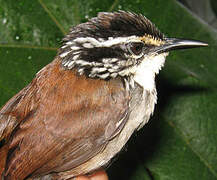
<point>69,120</point>
<point>11,115</point>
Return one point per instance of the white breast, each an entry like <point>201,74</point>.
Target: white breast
<point>146,71</point>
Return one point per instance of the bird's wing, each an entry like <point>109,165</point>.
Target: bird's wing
<point>10,117</point>
<point>8,122</point>
<point>73,119</point>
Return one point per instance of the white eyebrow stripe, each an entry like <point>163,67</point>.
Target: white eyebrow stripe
<point>108,43</point>
<point>88,39</point>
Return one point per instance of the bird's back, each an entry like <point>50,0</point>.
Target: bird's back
<point>59,121</point>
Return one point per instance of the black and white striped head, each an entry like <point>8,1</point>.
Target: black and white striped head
<point>117,44</point>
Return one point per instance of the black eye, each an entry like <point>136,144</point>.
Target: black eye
<point>135,48</point>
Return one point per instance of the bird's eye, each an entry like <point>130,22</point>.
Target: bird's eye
<point>135,48</point>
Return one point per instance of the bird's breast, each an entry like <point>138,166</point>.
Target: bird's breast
<point>141,107</point>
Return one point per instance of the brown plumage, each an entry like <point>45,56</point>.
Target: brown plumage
<point>45,125</point>
<point>81,109</point>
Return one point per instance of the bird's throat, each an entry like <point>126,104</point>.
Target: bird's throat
<point>147,70</point>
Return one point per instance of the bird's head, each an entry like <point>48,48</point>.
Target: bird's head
<point>118,44</point>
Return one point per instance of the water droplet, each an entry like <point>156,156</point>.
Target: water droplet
<point>17,37</point>
<point>86,16</point>
<point>29,57</point>
<point>7,52</point>
<point>119,6</point>
<point>90,9</point>
<point>202,66</point>
<point>4,20</point>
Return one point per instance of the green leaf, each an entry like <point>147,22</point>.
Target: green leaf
<point>180,141</point>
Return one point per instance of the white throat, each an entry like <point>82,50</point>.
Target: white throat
<point>146,71</point>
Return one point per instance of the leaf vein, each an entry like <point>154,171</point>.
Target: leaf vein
<point>28,46</point>
<point>52,17</point>
<point>179,132</point>
<point>113,5</point>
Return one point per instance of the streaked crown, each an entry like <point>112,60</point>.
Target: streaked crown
<point>110,45</point>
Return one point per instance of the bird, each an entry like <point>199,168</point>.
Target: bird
<point>80,110</point>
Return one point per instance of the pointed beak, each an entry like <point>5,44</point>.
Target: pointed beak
<point>174,44</point>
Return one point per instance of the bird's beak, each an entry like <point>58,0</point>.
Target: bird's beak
<point>174,44</point>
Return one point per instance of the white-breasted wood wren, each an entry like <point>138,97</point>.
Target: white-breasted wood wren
<point>80,110</point>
